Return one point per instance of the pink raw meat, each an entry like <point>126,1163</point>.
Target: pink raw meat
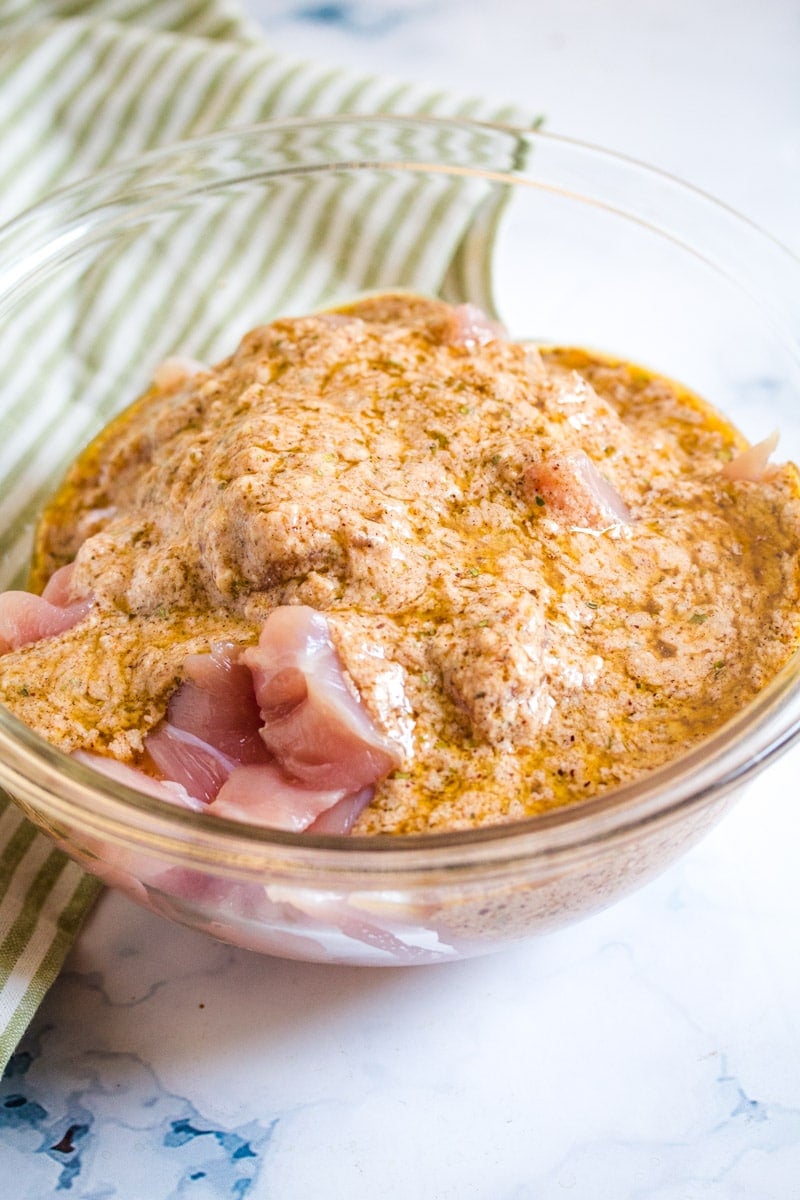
<point>26,618</point>
<point>319,732</point>
<point>189,760</point>
<point>263,796</point>
<point>569,487</point>
<point>217,703</point>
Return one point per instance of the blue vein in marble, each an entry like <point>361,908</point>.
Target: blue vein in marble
<point>59,1140</point>
<point>229,1160</point>
<point>18,1112</point>
<point>183,1131</point>
<point>708,1156</point>
<point>18,1064</point>
<point>352,18</point>
<point>232,1175</point>
<point>751,1110</point>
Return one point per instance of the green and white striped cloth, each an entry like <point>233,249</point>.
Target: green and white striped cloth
<point>84,85</point>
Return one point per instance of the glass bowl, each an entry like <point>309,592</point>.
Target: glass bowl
<point>183,250</point>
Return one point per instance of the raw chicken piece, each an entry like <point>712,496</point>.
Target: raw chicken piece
<point>569,488</point>
<point>752,465</point>
<point>342,816</point>
<point>26,618</point>
<point>132,777</point>
<point>217,703</point>
<point>317,729</point>
<point>188,760</point>
<point>263,796</point>
<point>471,327</point>
<point>213,742</point>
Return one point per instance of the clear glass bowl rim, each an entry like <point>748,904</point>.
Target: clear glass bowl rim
<point>62,790</point>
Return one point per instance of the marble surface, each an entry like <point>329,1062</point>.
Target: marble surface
<point>649,1053</point>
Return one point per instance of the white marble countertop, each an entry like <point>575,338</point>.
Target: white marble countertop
<point>649,1053</point>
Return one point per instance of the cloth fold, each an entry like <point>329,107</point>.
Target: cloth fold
<point>82,86</point>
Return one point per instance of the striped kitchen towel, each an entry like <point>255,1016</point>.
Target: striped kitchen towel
<point>84,85</point>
